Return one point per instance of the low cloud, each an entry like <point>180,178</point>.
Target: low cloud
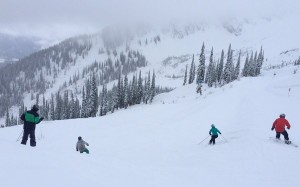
<point>55,19</point>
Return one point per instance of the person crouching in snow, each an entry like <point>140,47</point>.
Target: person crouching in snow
<point>279,126</point>
<point>80,146</point>
<point>214,134</point>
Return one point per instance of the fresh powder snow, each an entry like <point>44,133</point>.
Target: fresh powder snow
<point>157,145</point>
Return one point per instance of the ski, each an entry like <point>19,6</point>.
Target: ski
<point>283,141</point>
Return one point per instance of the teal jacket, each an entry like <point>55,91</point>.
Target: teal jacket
<point>214,131</point>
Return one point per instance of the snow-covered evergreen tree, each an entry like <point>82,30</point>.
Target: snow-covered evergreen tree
<point>237,67</point>
<point>246,68</point>
<point>93,97</point>
<point>84,104</point>
<point>228,70</point>
<point>126,92</point>
<point>185,76</point>
<point>260,60</point>
<point>201,66</point>
<point>252,66</point>
<point>192,71</point>
<point>7,119</point>
<point>58,108</point>
<point>140,89</point>
<point>65,106</point>
<point>210,71</point>
<point>152,93</point>
<point>220,68</point>
<point>148,88</point>
<point>52,108</point>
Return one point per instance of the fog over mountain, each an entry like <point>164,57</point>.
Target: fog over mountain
<point>16,47</point>
<point>56,20</point>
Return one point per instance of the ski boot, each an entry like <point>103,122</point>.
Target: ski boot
<point>287,142</point>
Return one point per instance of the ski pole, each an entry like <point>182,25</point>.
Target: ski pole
<point>20,135</point>
<point>224,138</point>
<point>204,139</point>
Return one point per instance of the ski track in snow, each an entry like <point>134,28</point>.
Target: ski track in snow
<point>157,145</point>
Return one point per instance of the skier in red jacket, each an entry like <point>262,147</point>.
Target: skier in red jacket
<point>279,126</point>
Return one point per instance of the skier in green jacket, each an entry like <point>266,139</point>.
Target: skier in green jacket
<point>214,134</point>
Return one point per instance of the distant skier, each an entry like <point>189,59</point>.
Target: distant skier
<point>80,146</point>
<point>30,118</point>
<point>279,126</point>
<point>214,134</point>
<point>199,89</point>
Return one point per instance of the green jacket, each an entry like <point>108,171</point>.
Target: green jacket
<point>214,131</point>
<point>30,118</point>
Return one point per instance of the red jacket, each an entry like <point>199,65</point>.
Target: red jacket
<point>280,123</point>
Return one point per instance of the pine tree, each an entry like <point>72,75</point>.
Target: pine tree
<point>185,75</point>
<point>93,97</point>
<point>105,102</point>
<point>101,101</point>
<point>77,108</point>
<point>126,92</point>
<point>246,68</point>
<point>260,60</point>
<point>148,88</point>
<point>228,70</point>
<point>133,91</point>
<point>58,109</point>
<point>252,67</point>
<point>84,104</point>
<point>192,72</point>
<point>153,93</point>
<point>237,67</point>
<point>52,111</point>
<point>201,67</point>
<point>210,71</point>
<point>88,102</point>
<point>65,106</point>
<point>72,107</point>
<point>140,89</point>
<point>220,68</point>
<point>7,119</point>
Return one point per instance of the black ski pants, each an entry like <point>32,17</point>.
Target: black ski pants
<point>31,134</point>
<point>284,133</point>
<point>213,139</point>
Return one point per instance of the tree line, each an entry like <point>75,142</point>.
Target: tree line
<point>220,72</point>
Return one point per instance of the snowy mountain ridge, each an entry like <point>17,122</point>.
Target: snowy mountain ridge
<point>158,45</point>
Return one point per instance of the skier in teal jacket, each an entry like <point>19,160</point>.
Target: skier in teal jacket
<point>214,134</point>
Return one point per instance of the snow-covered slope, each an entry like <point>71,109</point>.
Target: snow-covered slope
<point>178,42</point>
<point>157,144</point>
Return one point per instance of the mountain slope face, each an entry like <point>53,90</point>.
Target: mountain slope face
<point>157,145</point>
<point>66,66</point>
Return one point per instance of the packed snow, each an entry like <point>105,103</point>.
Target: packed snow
<point>158,144</point>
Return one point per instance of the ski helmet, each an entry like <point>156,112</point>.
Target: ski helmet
<point>282,115</point>
<point>212,125</point>
<point>79,138</point>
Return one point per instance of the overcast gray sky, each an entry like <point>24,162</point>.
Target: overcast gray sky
<point>63,18</point>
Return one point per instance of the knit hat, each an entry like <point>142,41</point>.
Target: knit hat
<point>34,108</point>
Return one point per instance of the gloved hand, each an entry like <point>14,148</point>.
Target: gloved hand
<point>288,128</point>
<point>209,133</point>
<point>87,144</point>
<point>76,149</point>
<point>272,128</point>
<point>42,118</point>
